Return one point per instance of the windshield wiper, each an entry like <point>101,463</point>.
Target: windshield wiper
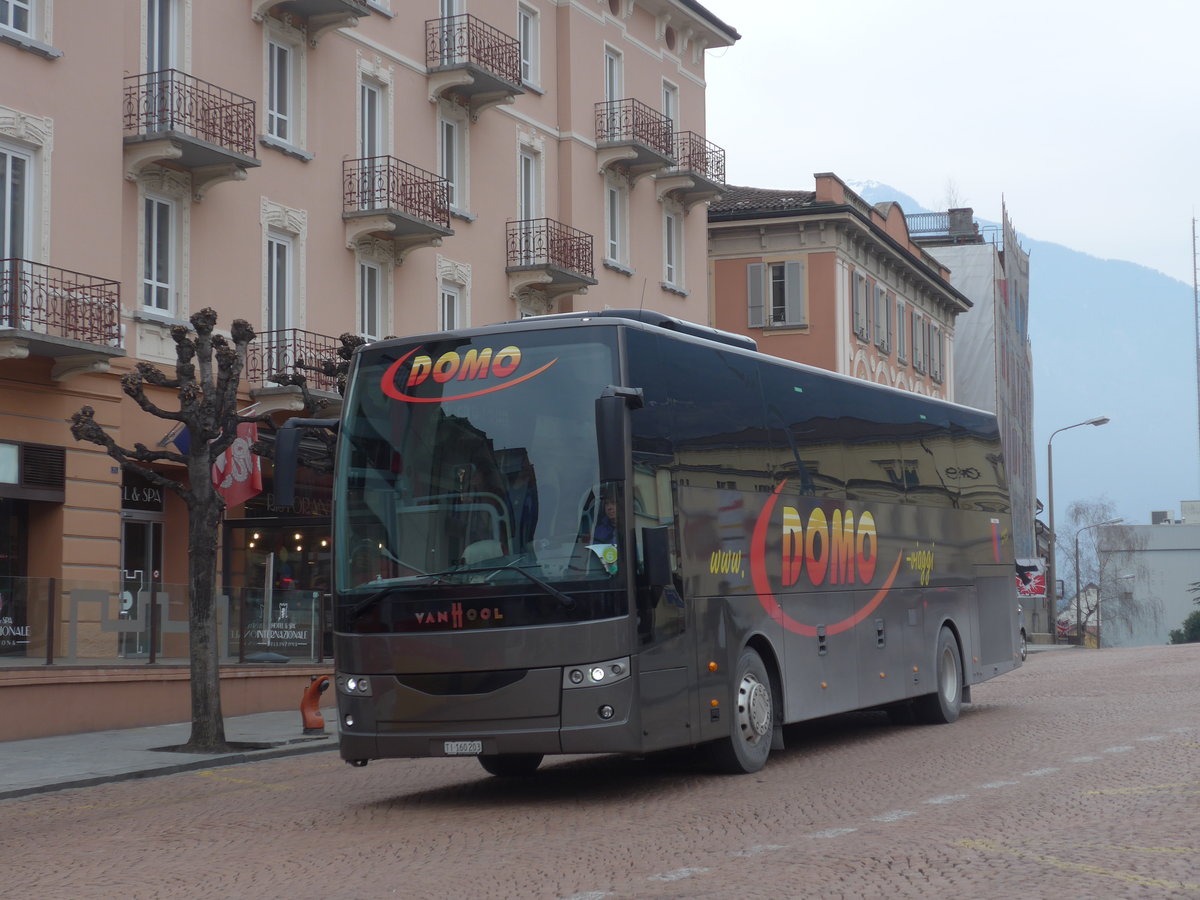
<point>388,585</point>
<point>567,601</point>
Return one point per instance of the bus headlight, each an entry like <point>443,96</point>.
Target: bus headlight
<point>597,673</point>
<point>354,685</point>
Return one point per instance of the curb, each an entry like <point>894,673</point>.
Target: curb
<point>296,747</point>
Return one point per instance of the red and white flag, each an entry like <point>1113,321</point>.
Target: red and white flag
<point>237,473</point>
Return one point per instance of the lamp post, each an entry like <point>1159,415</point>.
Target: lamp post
<point>1078,615</point>
<point>1052,569</point>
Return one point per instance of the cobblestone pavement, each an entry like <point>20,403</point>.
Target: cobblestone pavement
<point>1077,776</point>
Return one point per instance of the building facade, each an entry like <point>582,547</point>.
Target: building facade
<point>827,279</point>
<point>314,167</point>
<point>993,359</point>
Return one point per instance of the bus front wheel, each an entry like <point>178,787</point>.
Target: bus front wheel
<point>752,719</point>
<point>943,705</point>
<point>509,765</point>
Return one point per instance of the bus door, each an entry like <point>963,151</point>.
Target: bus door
<point>664,640</point>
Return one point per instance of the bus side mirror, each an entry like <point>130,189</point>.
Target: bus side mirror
<point>656,555</point>
<point>287,456</point>
<point>612,429</point>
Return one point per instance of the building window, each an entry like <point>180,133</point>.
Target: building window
<point>862,323</point>
<point>918,343</point>
<point>279,91</point>
<point>616,219</point>
<point>17,15</point>
<point>453,155</point>
<point>158,272</point>
<point>935,354</point>
<point>775,294</point>
<point>370,120</point>
<point>673,248</point>
<point>528,35</point>
<point>15,170</point>
<point>279,311</point>
<point>670,103</point>
<point>450,307</point>
<point>370,293</point>
<point>613,74</point>
<point>881,318</point>
<point>901,342</point>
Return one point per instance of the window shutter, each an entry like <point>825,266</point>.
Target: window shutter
<point>754,294</point>
<point>793,291</point>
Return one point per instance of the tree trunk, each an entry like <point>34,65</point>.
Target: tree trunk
<point>204,521</point>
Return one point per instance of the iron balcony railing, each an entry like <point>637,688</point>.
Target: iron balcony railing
<point>169,100</point>
<point>60,303</point>
<point>465,40</point>
<point>280,352</point>
<point>384,183</point>
<point>545,243</point>
<point>632,120</point>
<point>695,154</point>
<point>928,223</point>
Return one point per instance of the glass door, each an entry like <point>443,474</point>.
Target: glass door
<point>141,553</point>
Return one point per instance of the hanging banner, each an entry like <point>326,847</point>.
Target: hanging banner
<point>1031,578</point>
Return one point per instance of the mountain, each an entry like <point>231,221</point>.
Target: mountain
<point>1109,338</point>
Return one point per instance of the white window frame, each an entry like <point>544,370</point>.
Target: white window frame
<point>775,294</point>
<point>372,119</point>
<point>371,291</point>
<point>529,184</point>
<point>670,103</point>
<point>616,222</point>
<point>901,335</point>
<point>881,317</point>
<point>860,308</point>
<point>452,158</point>
<point>529,29</point>
<point>281,91</point>
<point>281,38</point>
<point>614,74</point>
<point>13,244</point>
<point>450,311</point>
<point>157,209</point>
<point>279,312</point>
<point>673,248</point>
<point>29,8</point>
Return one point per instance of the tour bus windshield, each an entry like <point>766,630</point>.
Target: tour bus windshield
<point>471,464</point>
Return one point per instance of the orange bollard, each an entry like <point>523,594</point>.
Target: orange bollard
<point>314,722</point>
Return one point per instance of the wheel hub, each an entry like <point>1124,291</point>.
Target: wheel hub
<point>754,707</point>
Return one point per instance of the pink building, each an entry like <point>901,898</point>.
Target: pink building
<point>315,167</point>
<point>825,278</point>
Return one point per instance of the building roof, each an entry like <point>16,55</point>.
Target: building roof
<point>737,201</point>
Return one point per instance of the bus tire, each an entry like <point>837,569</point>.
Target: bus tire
<point>511,765</point>
<point>943,705</point>
<point>752,719</point>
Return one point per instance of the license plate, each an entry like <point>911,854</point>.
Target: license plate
<point>463,748</point>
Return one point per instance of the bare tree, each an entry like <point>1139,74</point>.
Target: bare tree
<point>207,371</point>
<point>1105,569</point>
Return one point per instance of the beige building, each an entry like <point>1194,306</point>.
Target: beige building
<point>825,278</point>
<point>315,167</point>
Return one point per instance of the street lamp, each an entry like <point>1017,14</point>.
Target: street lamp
<point>1078,615</point>
<point>1051,568</point>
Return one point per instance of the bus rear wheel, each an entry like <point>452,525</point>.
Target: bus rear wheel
<point>752,720</point>
<point>943,705</point>
<point>511,765</point>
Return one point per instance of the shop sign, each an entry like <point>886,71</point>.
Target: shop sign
<point>138,492</point>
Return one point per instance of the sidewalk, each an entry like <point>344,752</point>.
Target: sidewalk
<point>82,760</point>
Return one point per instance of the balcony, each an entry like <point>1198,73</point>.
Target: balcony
<point>471,61</point>
<point>291,351</point>
<point>633,138</point>
<point>698,174</point>
<point>384,197</point>
<point>548,258</point>
<point>318,16</point>
<point>175,119</point>
<point>70,317</point>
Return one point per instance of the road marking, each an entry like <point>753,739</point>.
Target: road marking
<point>1049,770</point>
<point>758,850</point>
<point>1068,866</point>
<point>1151,737</point>
<point>946,798</point>
<point>1083,759</point>
<point>590,895</point>
<point>991,785</point>
<point>832,832</point>
<point>678,874</point>
<point>1187,787</point>
<point>894,816</point>
<point>1122,749</point>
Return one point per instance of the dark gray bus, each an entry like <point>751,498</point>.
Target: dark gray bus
<point>620,532</point>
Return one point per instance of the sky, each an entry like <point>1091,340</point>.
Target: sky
<point>1082,117</point>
